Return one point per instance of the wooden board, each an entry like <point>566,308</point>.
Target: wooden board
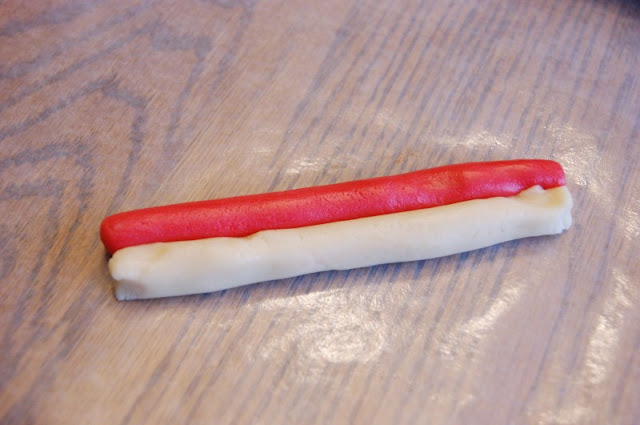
<point>107,106</point>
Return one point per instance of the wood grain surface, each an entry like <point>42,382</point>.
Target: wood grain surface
<point>108,106</point>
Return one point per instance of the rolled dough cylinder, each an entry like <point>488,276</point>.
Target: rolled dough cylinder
<point>207,265</point>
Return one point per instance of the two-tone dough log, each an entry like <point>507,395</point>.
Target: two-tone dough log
<point>396,232</point>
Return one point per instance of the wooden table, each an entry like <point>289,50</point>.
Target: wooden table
<point>108,106</point>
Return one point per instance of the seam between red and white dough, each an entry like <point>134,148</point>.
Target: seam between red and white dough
<point>206,265</point>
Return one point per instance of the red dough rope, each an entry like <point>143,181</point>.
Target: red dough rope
<point>245,215</point>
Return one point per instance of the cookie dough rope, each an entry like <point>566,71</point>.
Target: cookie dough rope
<point>207,265</point>
<point>245,215</point>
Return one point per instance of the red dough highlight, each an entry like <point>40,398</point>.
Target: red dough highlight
<point>244,215</point>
